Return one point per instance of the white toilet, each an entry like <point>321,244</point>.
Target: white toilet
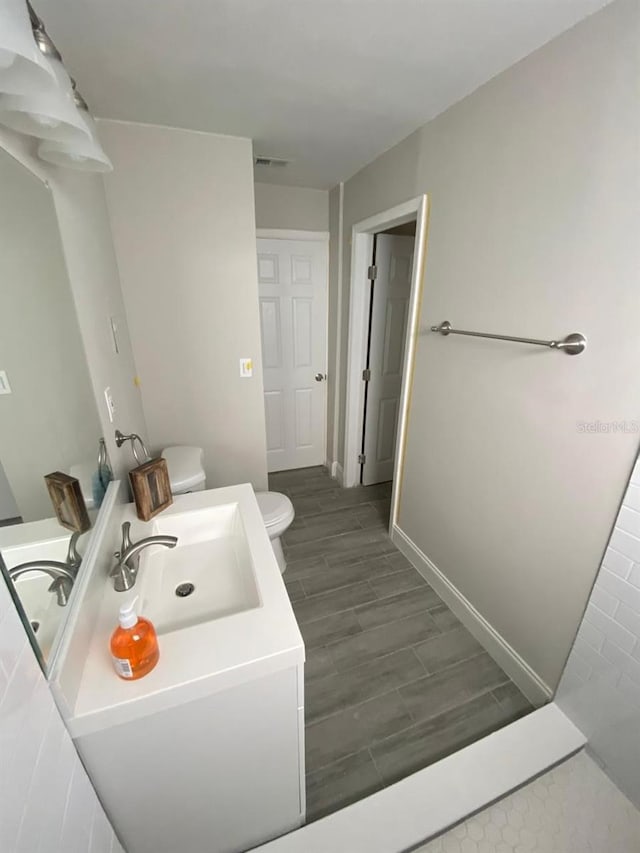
<point>278,513</point>
<point>186,474</point>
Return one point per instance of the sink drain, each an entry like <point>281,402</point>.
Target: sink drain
<point>35,625</point>
<point>184,589</point>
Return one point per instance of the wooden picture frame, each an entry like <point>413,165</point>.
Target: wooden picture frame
<point>151,488</point>
<point>68,501</point>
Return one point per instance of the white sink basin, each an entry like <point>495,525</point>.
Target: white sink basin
<point>208,575</point>
<point>237,625</point>
<point>40,606</point>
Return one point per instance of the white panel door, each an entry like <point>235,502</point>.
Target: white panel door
<point>292,278</point>
<point>391,291</point>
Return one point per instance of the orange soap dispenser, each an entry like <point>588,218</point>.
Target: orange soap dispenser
<point>134,644</point>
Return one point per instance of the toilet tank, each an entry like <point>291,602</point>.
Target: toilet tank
<point>186,469</point>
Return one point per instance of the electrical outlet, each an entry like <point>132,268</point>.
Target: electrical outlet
<point>246,368</point>
<point>111,406</point>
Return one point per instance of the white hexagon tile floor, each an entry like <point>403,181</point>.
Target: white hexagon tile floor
<point>574,808</point>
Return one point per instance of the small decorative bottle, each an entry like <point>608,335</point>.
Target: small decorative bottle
<point>134,644</point>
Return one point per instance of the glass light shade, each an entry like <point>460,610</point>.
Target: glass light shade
<point>23,66</point>
<point>49,113</point>
<point>82,153</point>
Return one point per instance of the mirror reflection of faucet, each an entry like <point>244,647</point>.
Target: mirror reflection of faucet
<point>63,573</point>
<point>125,572</point>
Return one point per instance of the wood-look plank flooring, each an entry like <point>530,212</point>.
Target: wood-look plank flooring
<point>393,681</point>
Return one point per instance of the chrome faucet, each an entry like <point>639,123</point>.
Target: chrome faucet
<point>73,558</point>
<point>63,574</point>
<point>125,572</point>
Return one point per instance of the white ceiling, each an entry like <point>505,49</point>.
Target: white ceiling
<point>328,84</point>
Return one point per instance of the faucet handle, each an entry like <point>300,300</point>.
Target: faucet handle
<point>62,588</point>
<point>131,561</point>
<point>74,558</point>
<point>126,538</point>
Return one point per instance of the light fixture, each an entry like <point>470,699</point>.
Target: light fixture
<point>83,153</point>
<point>48,107</point>
<point>49,113</point>
<point>23,66</point>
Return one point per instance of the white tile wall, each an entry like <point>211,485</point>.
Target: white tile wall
<point>47,803</point>
<point>600,687</point>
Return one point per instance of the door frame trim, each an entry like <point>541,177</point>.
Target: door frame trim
<point>291,234</point>
<point>361,247</point>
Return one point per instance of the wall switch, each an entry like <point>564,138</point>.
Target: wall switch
<point>5,388</point>
<point>246,367</point>
<point>111,406</point>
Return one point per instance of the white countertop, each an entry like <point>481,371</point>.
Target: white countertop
<point>40,532</point>
<point>200,659</point>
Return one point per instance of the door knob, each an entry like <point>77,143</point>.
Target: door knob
<point>320,377</point>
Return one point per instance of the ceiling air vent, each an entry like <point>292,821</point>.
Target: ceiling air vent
<point>270,161</point>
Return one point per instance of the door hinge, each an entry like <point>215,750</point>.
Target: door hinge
<point>366,375</point>
<point>361,458</point>
<point>372,273</point>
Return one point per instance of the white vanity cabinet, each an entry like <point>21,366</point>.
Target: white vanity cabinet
<point>219,774</point>
<point>205,753</point>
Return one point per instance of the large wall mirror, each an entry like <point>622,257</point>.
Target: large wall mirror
<point>48,417</point>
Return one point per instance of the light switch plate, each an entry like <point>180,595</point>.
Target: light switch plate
<point>5,388</point>
<point>246,368</point>
<point>111,406</point>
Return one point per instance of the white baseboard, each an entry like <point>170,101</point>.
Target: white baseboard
<point>533,687</point>
<point>337,473</point>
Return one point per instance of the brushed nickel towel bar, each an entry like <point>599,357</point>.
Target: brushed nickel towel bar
<point>573,344</point>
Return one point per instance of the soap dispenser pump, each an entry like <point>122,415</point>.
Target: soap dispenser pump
<point>134,644</point>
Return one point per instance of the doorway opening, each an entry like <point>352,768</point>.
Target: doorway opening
<point>387,266</point>
<point>388,311</point>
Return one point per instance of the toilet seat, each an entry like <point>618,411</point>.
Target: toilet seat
<point>277,511</point>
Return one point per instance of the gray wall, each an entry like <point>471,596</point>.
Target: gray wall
<point>49,421</point>
<point>8,505</point>
<point>293,208</point>
<point>182,213</point>
<point>533,182</point>
<point>87,246</point>
<point>95,283</point>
